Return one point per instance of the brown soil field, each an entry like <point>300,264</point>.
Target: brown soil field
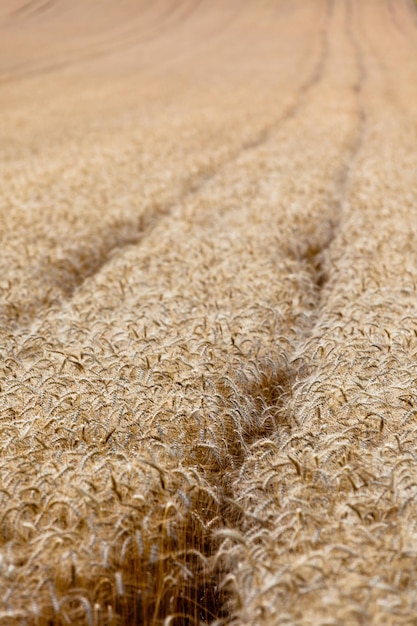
<point>208,305</point>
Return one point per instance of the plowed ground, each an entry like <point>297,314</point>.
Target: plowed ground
<point>208,303</point>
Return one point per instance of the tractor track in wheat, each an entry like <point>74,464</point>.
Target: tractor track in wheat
<point>208,332</point>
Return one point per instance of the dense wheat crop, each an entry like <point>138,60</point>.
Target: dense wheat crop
<point>208,292</point>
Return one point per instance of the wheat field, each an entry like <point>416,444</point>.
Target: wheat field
<point>208,283</point>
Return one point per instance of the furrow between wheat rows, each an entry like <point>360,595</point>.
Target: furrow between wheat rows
<point>208,314</point>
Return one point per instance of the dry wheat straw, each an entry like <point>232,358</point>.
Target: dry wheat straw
<point>208,339</point>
